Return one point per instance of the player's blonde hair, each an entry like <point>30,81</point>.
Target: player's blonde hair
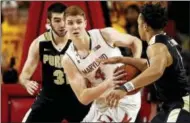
<point>74,11</point>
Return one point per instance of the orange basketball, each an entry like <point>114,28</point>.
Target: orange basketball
<point>132,72</point>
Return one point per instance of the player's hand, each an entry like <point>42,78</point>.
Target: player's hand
<point>31,87</point>
<point>114,96</point>
<point>116,78</point>
<point>112,60</point>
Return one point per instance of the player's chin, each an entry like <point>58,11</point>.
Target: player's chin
<point>62,34</point>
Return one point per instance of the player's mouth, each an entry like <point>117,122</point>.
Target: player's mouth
<point>76,33</point>
<point>62,30</point>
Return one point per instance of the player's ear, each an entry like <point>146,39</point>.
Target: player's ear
<point>145,26</point>
<point>48,21</point>
<point>85,21</point>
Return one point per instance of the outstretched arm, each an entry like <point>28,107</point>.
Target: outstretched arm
<point>160,59</point>
<point>114,38</point>
<point>139,63</point>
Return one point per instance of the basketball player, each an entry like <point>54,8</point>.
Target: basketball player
<point>163,67</point>
<point>56,97</point>
<point>83,70</point>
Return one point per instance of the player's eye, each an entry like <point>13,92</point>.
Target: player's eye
<point>57,21</point>
<point>70,23</point>
<point>79,22</point>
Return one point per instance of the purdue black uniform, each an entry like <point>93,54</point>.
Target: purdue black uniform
<point>172,86</point>
<point>56,100</point>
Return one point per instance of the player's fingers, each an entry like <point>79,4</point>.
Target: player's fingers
<point>112,60</point>
<point>116,83</point>
<point>30,91</point>
<point>34,85</point>
<point>119,72</point>
<point>99,60</point>
<point>113,101</point>
<point>109,97</point>
<point>116,101</point>
<point>119,77</point>
<point>109,61</point>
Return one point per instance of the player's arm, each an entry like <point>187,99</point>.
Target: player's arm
<point>159,58</point>
<point>139,63</point>
<point>29,68</point>
<point>114,38</point>
<point>79,83</point>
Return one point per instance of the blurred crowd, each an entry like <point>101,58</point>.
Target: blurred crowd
<point>14,16</point>
<point>122,16</point>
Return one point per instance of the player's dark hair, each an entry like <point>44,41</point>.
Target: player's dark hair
<point>154,15</point>
<point>134,7</point>
<point>55,8</point>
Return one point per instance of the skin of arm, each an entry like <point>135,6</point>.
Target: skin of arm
<point>79,83</point>
<point>31,63</point>
<point>159,58</point>
<point>139,63</point>
<point>116,39</point>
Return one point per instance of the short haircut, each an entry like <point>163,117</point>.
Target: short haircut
<point>74,10</point>
<point>55,8</point>
<point>134,7</point>
<point>154,15</point>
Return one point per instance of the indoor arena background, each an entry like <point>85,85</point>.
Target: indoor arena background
<point>28,20</point>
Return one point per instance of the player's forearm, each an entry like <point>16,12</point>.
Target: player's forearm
<point>147,77</point>
<point>136,48</point>
<point>139,63</point>
<point>23,78</point>
<point>90,94</point>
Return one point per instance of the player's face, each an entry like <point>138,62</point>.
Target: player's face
<point>75,25</point>
<point>141,27</point>
<point>57,24</point>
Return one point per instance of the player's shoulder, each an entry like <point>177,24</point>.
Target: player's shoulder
<point>93,31</point>
<point>44,37</point>
<point>108,30</point>
<point>157,48</point>
<point>102,30</point>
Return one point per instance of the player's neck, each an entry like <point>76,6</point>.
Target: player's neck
<point>82,43</point>
<point>58,40</point>
<point>153,33</point>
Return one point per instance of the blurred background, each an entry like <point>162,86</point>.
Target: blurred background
<point>23,21</point>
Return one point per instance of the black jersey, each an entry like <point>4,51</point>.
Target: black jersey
<point>53,76</point>
<point>173,84</point>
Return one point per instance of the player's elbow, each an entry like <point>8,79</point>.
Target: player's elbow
<point>84,98</point>
<point>159,72</point>
<point>84,101</point>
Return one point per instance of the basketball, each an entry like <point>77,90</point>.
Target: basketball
<point>132,72</point>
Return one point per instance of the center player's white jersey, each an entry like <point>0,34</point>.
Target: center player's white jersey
<point>88,66</point>
<point>90,69</point>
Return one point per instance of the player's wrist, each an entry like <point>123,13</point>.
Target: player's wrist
<point>105,84</point>
<point>25,82</point>
<point>128,87</point>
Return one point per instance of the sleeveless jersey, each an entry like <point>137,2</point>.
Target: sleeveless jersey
<point>88,66</point>
<point>53,76</point>
<point>96,74</point>
<point>173,83</point>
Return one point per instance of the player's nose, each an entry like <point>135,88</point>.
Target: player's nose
<point>75,26</point>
